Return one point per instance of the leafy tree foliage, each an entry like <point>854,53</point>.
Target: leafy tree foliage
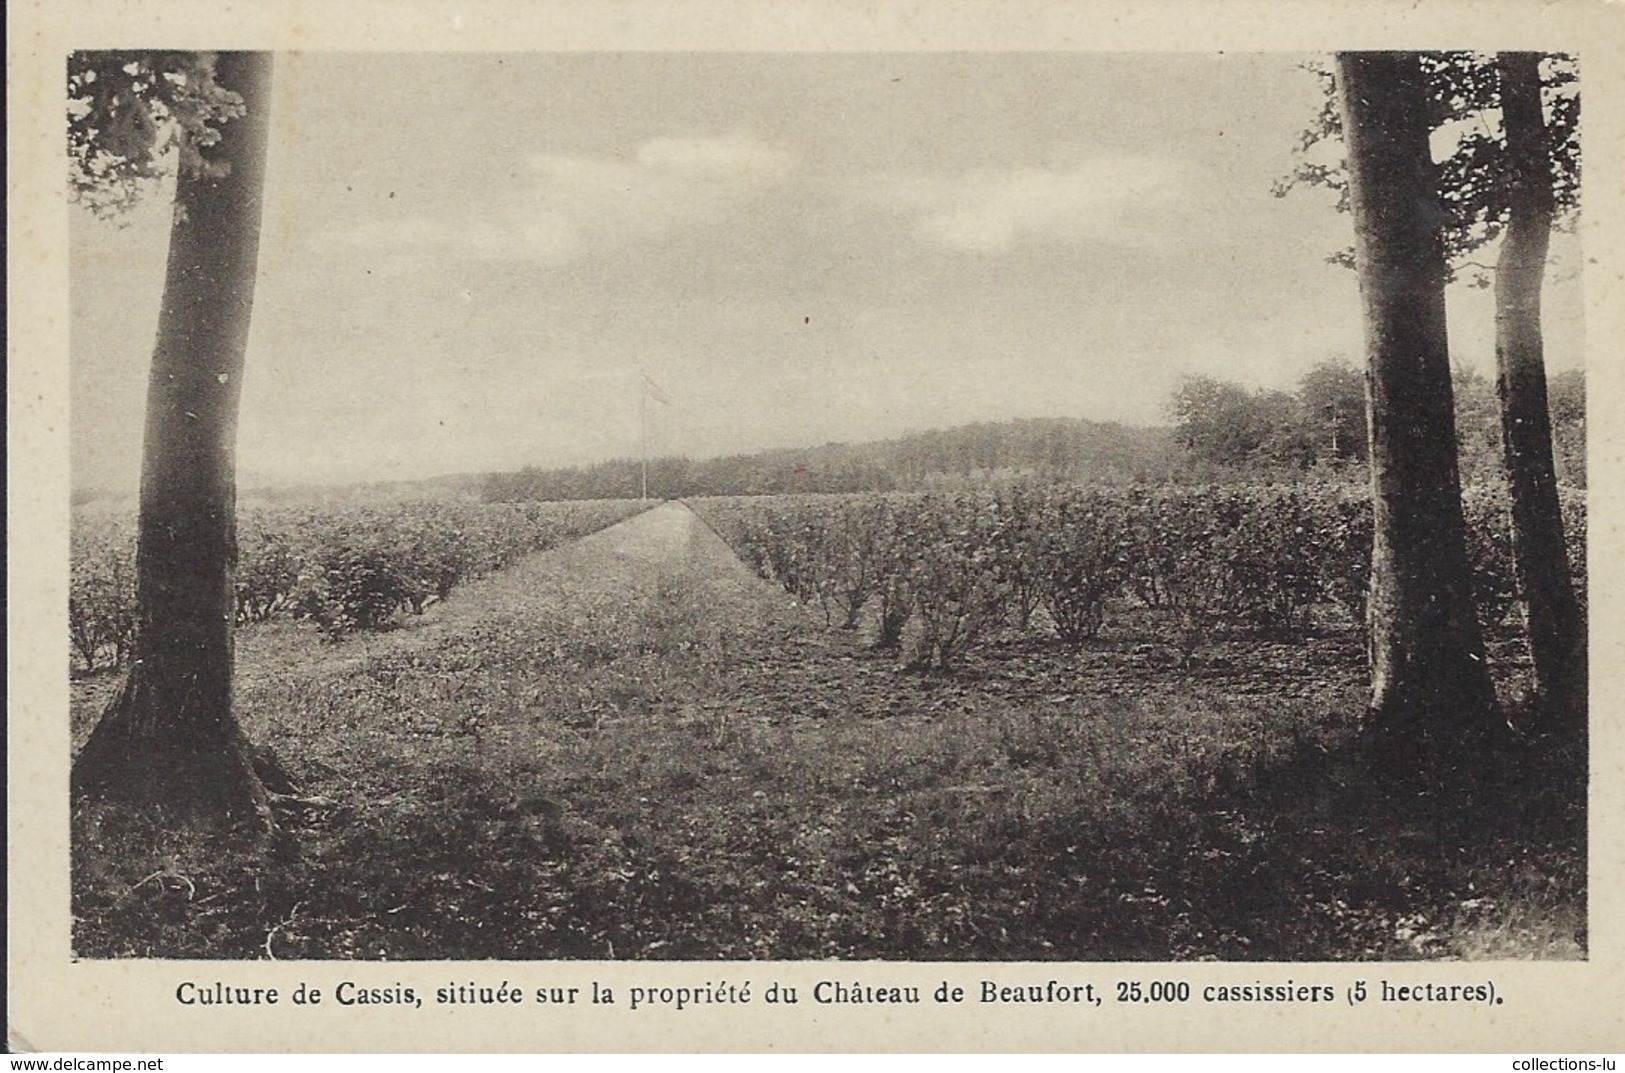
<point>1226,424</point>
<point>135,118</point>
<point>1218,420</point>
<point>1474,179</point>
<point>1478,425</point>
<point>1566,394</point>
<point>1332,395</point>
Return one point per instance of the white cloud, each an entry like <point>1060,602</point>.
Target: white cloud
<point>1120,200</point>
<point>738,160</point>
<point>577,202</point>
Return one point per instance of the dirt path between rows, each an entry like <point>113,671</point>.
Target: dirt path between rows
<point>670,534</point>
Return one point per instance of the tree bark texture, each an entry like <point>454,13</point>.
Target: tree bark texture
<point>1557,641</point>
<point>1430,685</point>
<point>170,734</point>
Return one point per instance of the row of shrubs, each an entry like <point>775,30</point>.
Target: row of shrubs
<point>342,569</point>
<point>948,567</point>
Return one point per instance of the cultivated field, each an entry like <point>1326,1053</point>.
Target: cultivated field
<point>636,746</point>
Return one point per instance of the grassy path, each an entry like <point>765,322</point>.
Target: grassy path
<point>669,534</point>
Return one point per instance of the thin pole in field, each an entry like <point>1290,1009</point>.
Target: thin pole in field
<point>646,388</point>
<point>643,433</point>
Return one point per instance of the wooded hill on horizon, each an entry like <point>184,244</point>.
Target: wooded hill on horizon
<point>1071,449</point>
<point>1222,430</point>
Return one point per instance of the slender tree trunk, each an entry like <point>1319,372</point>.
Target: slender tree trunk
<point>1430,685</point>
<point>1557,642</point>
<point>170,735</point>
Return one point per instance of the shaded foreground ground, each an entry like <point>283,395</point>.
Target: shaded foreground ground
<point>633,748</point>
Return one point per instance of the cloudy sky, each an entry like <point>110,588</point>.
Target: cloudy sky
<point>467,259</point>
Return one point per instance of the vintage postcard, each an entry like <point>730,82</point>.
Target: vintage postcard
<point>815,526</point>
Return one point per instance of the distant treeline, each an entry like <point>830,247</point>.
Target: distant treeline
<point>1222,431</point>
<point>1068,449</point>
<point>1224,425</point>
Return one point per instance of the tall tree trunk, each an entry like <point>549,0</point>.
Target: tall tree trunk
<point>170,735</point>
<point>1430,685</point>
<point>1557,642</point>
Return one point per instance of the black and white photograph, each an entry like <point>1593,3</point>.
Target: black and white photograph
<point>997,508</point>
